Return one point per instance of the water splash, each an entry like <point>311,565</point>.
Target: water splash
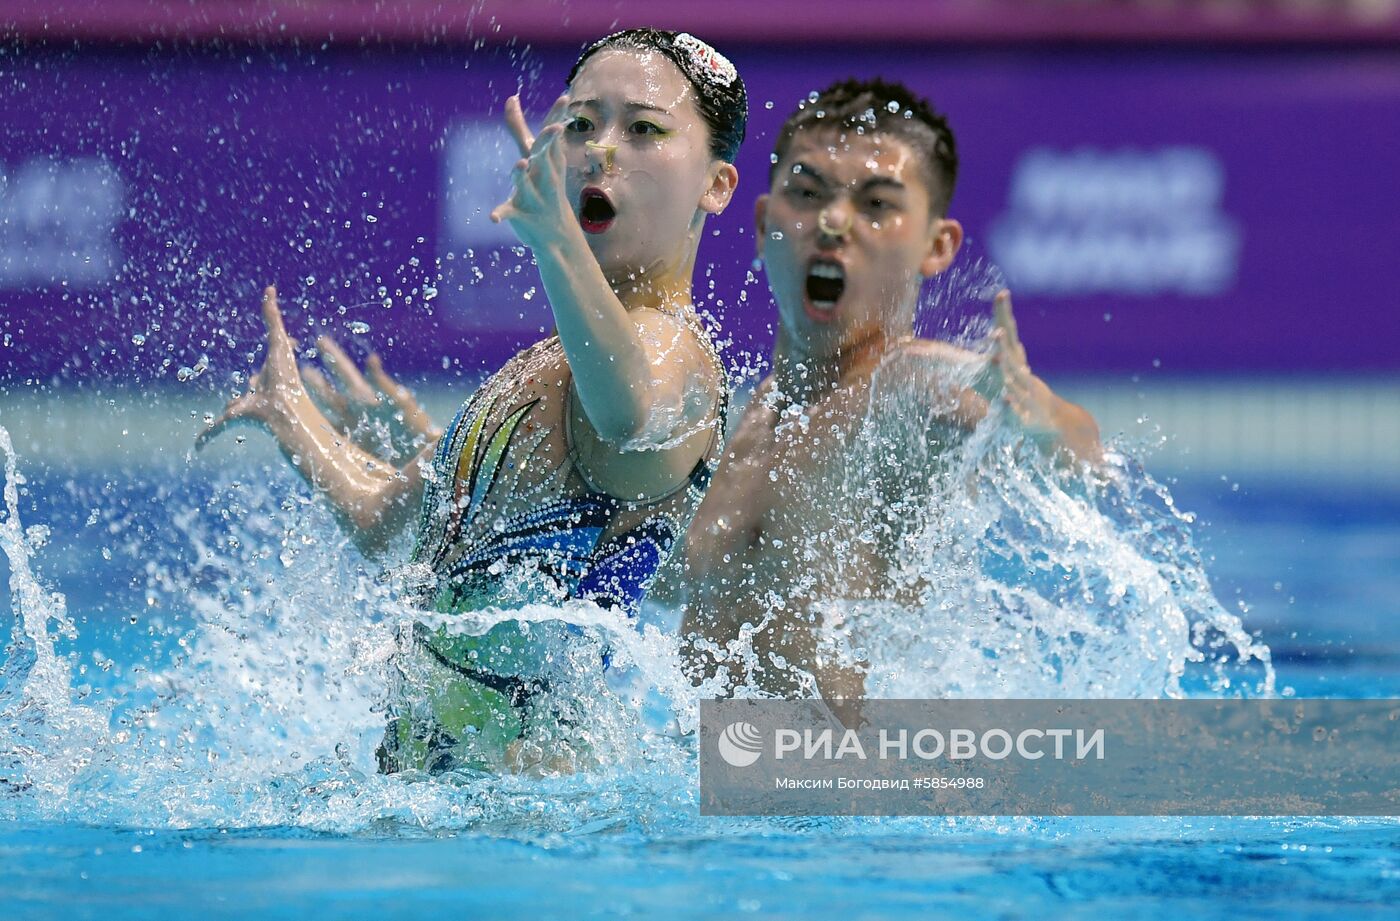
<point>1026,576</point>
<point>1031,580</point>
<point>36,712</point>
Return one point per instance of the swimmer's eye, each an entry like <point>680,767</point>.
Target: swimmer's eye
<point>802,192</point>
<point>647,129</point>
<point>578,125</point>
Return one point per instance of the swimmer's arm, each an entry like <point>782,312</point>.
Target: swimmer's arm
<point>631,371</point>
<point>1060,423</point>
<point>621,383</point>
<point>372,500</point>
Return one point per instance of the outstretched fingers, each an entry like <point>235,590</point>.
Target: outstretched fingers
<point>533,175</point>
<point>331,399</point>
<point>215,428</point>
<point>518,127</point>
<point>281,349</point>
<point>272,314</point>
<point>1006,320</point>
<point>414,416</point>
<point>397,393</point>
<point>555,116</point>
<point>505,209</point>
<point>278,372</point>
<point>1003,317</point>
<point>236,410</point>
<point>383,382</point>
<point>345,371</point>
<point>1010,355</point>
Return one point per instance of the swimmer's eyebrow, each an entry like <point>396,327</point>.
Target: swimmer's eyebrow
<point>802,168</point>
<point>629,105</point>
<point>881,182</point>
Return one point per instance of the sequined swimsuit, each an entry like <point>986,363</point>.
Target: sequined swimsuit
<point>506,524</point>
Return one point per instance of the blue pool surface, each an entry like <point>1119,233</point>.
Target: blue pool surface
<point>1317,569</point>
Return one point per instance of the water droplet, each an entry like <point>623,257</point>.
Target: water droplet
<point>189,374</point>
<point>371,219</point>
<point>359,327</point>
<point>138,339</point>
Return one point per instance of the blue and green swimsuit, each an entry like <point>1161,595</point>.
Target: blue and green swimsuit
<point>492,538</point>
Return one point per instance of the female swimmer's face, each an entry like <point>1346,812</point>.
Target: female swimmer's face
<point>640,172</point>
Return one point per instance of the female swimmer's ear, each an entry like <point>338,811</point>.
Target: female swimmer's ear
<point>721,189</point>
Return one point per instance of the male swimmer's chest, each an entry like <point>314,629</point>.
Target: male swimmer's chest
<point>777,514</point>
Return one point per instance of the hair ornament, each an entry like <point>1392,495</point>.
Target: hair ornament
<point>706,60</point>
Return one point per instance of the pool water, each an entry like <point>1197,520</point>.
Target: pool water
<point>282,833</point>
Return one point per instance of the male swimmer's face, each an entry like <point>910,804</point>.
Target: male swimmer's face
<point>847,234</point>
<point>639,164</point>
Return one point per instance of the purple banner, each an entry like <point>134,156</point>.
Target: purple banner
<point>1190,211</point>
<point>721,21</point>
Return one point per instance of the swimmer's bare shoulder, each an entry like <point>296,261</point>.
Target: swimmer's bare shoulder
<point>945,380</point>
<point>685,380</point>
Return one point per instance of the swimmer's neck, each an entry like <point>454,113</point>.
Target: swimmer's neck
<point>805,377</point>
<point>664,285</point>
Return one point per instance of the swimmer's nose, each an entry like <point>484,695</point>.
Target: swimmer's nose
<point>601,156</point>
<point>835,221</point>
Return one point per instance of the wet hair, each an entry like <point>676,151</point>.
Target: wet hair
<point>719,91</point>
<point>887,107</point>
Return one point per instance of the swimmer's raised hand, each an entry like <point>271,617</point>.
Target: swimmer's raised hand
<point>1018,384</point>
<point>1046,417</point>
<point>538,209</point>
<point>371,410</point>
<point>372,500</point>
<point>273,391</point>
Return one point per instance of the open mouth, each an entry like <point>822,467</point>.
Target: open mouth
<point>595,212</point>
<point>826,282</point>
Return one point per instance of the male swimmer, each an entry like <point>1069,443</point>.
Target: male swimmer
<point>808,504</point>
<point>572,472</point>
